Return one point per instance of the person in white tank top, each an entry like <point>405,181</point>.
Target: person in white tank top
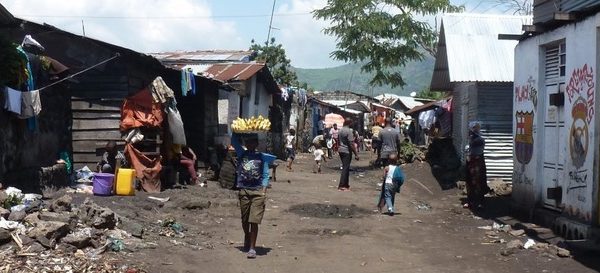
<point>392,181</point>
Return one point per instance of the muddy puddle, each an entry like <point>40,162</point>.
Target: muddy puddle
<point>329,210</point>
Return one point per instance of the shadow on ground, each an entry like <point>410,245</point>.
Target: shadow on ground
<point>329,210</point>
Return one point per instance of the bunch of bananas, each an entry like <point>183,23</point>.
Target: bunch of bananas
<point>241,125</point>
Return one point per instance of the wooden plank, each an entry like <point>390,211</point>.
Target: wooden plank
<point>86,157</point>
<point>95,124</point>
<point>96,115</point>
<point>96,105</point>
<point>92,146</point>
<point>94,135</point>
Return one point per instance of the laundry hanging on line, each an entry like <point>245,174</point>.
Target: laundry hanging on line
<point>188,82</point>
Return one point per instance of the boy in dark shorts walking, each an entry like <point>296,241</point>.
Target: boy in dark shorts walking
<point>252,182</point>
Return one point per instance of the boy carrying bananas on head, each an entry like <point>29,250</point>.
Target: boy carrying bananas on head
<point>252,182</point>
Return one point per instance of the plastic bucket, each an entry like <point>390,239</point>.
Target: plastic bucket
<point>103,183</point>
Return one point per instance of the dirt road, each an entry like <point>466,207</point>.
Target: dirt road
<point>311,227</point>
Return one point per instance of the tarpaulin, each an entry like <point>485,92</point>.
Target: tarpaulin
<point>330,119</point>
<point>140,110</point>
<point>146,169</point>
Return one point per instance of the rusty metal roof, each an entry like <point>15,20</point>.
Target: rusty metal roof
<point>234,72</point>
<point>204,56</point>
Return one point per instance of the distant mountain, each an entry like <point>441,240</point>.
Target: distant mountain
<point>417,76</point>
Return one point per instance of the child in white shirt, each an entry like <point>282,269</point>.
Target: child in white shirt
<point>319,156</point>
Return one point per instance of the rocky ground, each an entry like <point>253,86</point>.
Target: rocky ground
<point>308,227</point>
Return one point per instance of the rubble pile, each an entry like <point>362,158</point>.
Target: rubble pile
<point>55,236</point>
<point>520,240</point>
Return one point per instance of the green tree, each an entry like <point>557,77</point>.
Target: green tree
<point>383,33</point>
<point>277,61</point>
<point>432,95</point>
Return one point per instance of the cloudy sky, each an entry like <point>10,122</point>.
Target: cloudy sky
<point>159,25</point>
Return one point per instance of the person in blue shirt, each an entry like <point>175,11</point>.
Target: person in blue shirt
<point>393,178</point>
<point>252,182</point>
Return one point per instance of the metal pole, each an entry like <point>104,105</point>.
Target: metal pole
<point>271,22</point>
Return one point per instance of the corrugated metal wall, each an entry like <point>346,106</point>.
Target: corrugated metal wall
<point>494,110</point>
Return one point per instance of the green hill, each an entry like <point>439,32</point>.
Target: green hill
<point>417,76</point>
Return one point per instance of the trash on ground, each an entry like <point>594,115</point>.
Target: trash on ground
<point>529,243</point>
<point>164,199</point>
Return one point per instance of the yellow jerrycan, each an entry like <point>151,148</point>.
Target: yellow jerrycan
<point>125,182</point>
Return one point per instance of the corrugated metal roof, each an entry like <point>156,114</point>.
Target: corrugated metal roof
<point>234,72</point>
<point>469,49</point>
<point>205,56</point>
<point>197,69</point>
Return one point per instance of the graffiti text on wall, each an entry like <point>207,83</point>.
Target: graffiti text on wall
<point>582,84</point>
<point>527,92</point>
<point>581,93</point>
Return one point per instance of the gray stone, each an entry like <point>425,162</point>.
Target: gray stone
<point>36,247</point>
<point>193,204</point>
<point>540,246</point>
<point>563,253</point>
<point>25,240</point>
<point>507,252</point>
<point>4,213</point>
<point>17,216</point>
<point>32,218</point>
<point>46,242</point>
<point>64,217</point>
<point>62,204</point>
<point>49,229</point>
<point>517,232</point>
<point>79,239</point>
<point>34,206</point>
<point>67,248</point>
<point>3,197</point>
<point>132,227</point>
<point>4,236</point>
<point>514,244</point>
<point>96,216</point>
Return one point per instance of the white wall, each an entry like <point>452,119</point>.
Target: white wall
<point>575,163</point>
<point>250,108</point>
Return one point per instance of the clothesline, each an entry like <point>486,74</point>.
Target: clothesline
<point>81,72</point>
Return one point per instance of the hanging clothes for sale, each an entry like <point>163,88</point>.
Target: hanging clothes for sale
<point>184,83</point>
<point>31,105</point>
<point>302,97</point>
<point>285,93</point>
<point>12,100</point>
<point>175,123</point>
<point>160,91</point>
<point>427,119</point>
<point>146,170</point>
<point>139,110</point>
<point>193,83</point>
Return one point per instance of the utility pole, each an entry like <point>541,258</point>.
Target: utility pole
<point>271,22</point>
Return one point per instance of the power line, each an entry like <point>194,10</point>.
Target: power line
<point>165,17</point>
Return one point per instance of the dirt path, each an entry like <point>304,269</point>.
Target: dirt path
<point>311,227</point>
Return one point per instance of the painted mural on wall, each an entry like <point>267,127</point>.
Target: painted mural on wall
<point>526,97</point>
<point>580,93</point>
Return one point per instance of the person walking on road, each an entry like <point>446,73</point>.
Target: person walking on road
<point>346,148</point>
<point>390,141</point>
<point>375,130</point>
<point>289,148</point>
<point>476,170</point>
<point>393,178</point>
<point>319,157</point>
<point>252,182</point>
<point>334,132</point>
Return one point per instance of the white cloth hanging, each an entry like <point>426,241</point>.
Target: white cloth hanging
<point>12,100</point>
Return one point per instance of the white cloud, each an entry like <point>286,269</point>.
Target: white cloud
<point>129,25</point>
<point>302,35</point>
